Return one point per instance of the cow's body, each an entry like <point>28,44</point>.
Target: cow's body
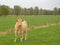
<point>21,28</point>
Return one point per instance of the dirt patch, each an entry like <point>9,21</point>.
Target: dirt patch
<point>30,28</point>
<point>2,33</point>
<point>43,26</point>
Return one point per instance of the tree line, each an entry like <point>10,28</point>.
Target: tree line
<point>17,10</point>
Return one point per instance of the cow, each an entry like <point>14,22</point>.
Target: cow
<point>21,28</point>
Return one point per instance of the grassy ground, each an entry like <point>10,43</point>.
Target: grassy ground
<point>9,21</point>
<point>44,36</point>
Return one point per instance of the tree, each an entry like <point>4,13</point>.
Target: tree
<point>17,10</point>
<point>11,11</point>
<point>4,10</point>
<point>22,11</point>
<point>55,11</point>
<point>25,11</point>
<point>0,10</point>
<point>49,12</point>
<point>31,11</point>
<point>36,11</point>
<point>58,11</point>
<point>41,11</point>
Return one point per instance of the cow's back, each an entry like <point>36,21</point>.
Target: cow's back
<point>24,25</point>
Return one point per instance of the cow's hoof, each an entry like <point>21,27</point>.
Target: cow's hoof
<point>25,39</point>
<point>14,40</point>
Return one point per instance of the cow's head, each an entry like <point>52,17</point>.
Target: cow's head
<point>19,20</point>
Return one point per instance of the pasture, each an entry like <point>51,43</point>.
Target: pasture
<point>43,36</point>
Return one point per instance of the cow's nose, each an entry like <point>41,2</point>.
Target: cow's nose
<point>19,25</point>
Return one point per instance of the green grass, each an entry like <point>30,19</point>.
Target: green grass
<point>44,36</point>
<point>9,21</point>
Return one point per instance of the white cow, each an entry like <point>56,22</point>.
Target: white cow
<point>21,29</point>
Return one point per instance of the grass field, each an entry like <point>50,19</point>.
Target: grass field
<point>44,36</point>
<point>9,21</point>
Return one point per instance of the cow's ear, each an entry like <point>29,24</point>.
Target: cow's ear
<point>22,20</point>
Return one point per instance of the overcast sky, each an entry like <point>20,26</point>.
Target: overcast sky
<point>45,4</point>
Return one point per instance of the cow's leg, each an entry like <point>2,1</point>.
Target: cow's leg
<point>15,35</point>
<point>21,36</point>
<point>25,35</point>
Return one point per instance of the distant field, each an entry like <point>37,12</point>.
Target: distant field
<point>9,21</point>
<point>44,36</point>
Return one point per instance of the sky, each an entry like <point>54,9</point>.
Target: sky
<point>45,4</point>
